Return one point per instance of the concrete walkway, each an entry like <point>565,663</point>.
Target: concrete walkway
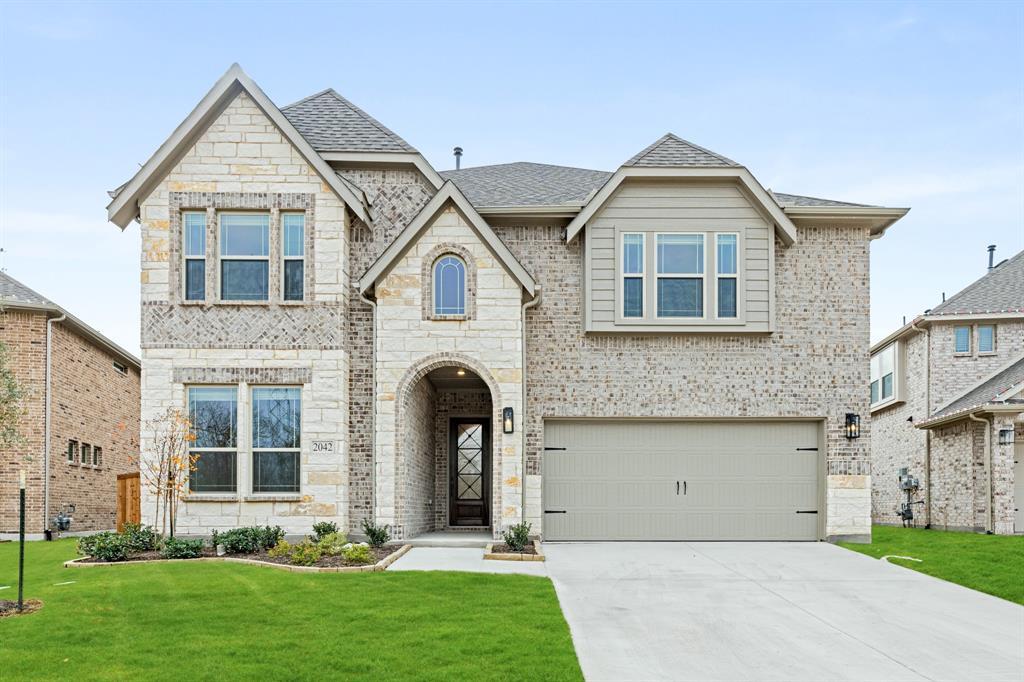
<point>462,559</point>
<point>775,611</point>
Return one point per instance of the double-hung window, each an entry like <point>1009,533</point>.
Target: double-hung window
<point>244,256</point>
<point>276,439</point>
<point>962,340</point>
<point>194,226</point>
<point>634,259</point>
<point>680,275</point>
<point>726,273</point>
<point>986,338</point>
<point>293,232</point>
<point>883,374</point>
<point>213,412</point>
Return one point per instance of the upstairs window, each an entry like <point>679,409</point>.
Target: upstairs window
<point>986,338</point>
<point>293,232</point>
<point>449,286</point>
<point>680,275</point>
<point>86,456</point>
<point>194,225</point>
<point>244,256</point>
<point>97,456</point>
<point>727,272</point>
<point>213,411</point>
<point>962,340</point>
<point>633,262</point>
<point>883,375</point>
<point>72,452</point>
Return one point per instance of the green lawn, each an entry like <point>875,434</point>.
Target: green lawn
<point>217,620</point>
<point>988,563</point>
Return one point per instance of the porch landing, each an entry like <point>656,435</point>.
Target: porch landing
<point>451,538</point>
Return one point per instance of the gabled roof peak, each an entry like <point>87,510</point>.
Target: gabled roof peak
<point>331,123</point>
<point>672,150</point>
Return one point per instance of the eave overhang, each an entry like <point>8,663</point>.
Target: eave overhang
<point>877,220</point>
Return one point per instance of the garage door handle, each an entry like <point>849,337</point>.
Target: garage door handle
<point>807,511</point>
<point>554,511</point>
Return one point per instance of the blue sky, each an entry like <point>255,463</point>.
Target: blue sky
<point>899,104</point>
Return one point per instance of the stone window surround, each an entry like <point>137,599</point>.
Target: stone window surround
<point>427,281</point>
<point>213,203</point>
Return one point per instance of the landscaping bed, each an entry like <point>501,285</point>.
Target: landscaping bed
<point>517,546</point>
<point>10,608</point>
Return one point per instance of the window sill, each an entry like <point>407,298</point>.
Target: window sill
<point>892,402</point>
<point>226,497</point>
<point>987,354</point>
<point>289,497</point>
<point>962,355</point>
<point>448,318</point>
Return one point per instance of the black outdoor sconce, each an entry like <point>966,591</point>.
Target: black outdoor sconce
<point>852,426</point>
<point>1006,436</point>
<point>507,421</point>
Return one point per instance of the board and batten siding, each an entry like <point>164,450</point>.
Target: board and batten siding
<point>653,206</point>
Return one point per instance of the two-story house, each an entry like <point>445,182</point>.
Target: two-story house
<point>666,351</point>
<point>947,398</point>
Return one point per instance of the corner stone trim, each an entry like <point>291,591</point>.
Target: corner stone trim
<point>236,375</point>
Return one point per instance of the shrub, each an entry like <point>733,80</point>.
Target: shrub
<point>139,538</point>
<point>249,540</point>
<point>377,535</point>
<point>323,529</point>
<point>517,537</point>
<point>332,544</point>
<point>177,548</point>
<point>305,553</point>
<point>360,554</point>
<point>281,549</point>
<point>105,546</point>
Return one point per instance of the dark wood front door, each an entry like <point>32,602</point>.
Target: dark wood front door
<point>469,456</point>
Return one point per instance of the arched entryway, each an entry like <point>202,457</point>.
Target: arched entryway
<point>448,431</point>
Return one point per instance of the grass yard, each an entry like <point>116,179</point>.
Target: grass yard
<point>217,620</point>
<point>987,563</point>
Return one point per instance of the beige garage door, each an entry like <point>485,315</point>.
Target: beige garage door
<point>637,480</point>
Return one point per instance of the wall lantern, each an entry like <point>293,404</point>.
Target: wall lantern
<point>852,425</point>
<point>1006,436</point>
<point>507,421</point>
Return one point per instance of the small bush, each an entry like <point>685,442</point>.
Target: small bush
<point>249,540</point>
<point>177,548</point>
<point>332,544</point>
<point>517,537</point>
<point>105,546</point>
<point>323,529</point>
<point>305,553</point>
<point>281,550</point>
<point>359,554</point>
<point>377,535</point>
<point>139,538</point>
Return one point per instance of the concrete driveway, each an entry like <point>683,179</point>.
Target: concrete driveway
<point>775,611</point>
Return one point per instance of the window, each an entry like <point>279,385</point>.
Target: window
<point>883,374</point>
<point>120,368</point>
<point>245,256</point>
<point>986,338</point>
<point>449,286</point>
<point>97,455</point>
<point>680,270</point>
<point>194,227</point>
<point>633,262</point>
<point>276,438</point>
<point>727,269</point>
<point>962,340</point>
<point>213,411</point>
<point>72,451</point>
<point>293,233</point>
<point>86,454</point>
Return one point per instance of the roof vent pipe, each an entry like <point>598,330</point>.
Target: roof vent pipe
<point>458,164</point>
<point>991,255</point>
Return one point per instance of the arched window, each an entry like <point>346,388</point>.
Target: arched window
<point>449,286</point>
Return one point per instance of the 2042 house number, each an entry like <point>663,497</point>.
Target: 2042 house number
<point>323,446</point>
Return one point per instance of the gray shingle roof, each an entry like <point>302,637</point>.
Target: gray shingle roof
<point>987,393</point>
<point>671,150</point>
<point>800,200</point>
<point>13,291</point>
<point>1000,290</point>
<point>526,184</point>
<point>330,123</point>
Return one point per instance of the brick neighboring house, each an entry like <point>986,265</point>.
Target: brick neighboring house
<point>93,415</point>
<point>947,394</point>
<point>666,351</point>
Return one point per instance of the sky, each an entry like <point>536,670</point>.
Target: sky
<point>916,105</point>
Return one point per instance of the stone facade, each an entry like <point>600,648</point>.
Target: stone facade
<point>92,402</point>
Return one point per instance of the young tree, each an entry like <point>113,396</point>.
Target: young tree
<point>11,408</point>
<point>165,466</point>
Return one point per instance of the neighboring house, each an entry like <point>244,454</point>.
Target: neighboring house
<point>80,424</point>
<point>947,394</point>
<point>668,351</point>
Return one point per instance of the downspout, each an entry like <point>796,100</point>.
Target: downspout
<point>988,469</point>
<point>522,482</point>
<point>373,407</point>
<point>46,422</point>
<point>928,432</point>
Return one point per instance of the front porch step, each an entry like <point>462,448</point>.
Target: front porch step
<point>452,538</point>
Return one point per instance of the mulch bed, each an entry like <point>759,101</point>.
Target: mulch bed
<point>10,608</point>
<point>152,555</point>
<point>502,548</point>
<point>378,554</point>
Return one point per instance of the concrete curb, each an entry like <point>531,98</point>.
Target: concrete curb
<point>539,556</point>
<point>379,566</point>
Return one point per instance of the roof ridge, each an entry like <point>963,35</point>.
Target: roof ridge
<point>307,98</point>
<point>642,154</point>
<point>370,119</point>
<point>530,163</point>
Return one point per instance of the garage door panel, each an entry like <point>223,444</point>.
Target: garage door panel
<point>616,480</point>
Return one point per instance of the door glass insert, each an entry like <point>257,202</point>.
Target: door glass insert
<point>469,469</point>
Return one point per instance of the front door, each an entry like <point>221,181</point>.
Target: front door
<point>469,456</point>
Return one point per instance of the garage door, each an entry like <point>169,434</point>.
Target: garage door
<point>637,480</point>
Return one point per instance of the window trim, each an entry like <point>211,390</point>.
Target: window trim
<point>185,258</point>
<point>995,345</point>
<point>897,377</point>
<point>734,276</point>
<point>270,252</point>
<point>285,258</point>
<point>252,449</point>
<point>433,287</point>
<point>642,275</point>
<point>970,340</point>
<point>238,442</point>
